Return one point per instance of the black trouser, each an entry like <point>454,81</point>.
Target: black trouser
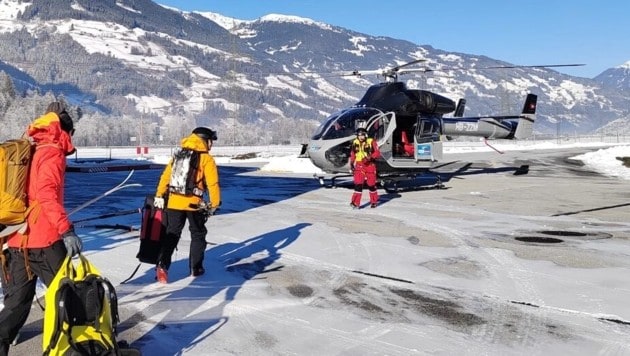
<point>175,221</point>
<point>19,291</point>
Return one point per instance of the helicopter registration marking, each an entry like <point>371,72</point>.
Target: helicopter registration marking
<point>466,126</point>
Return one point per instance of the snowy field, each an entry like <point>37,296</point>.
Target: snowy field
<point>495,264</point>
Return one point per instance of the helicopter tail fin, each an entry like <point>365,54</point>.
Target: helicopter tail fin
<point>461,106</point>
<point>525,125</point>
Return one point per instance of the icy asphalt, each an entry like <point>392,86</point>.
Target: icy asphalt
<point>495,264</point>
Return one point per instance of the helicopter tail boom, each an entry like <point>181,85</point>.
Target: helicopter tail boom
<point>495,127</point>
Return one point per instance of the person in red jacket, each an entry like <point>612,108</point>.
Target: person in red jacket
<point>363,152</point>
<point>49,237</point>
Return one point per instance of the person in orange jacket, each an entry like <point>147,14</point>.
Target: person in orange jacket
<point>363,152</point>
<point>191,172</point>
<point>39,250</point>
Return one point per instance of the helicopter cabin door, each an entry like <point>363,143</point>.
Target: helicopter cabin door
<point>380,128</point>
<point>427,144</point>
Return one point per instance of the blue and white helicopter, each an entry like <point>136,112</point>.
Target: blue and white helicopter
<point>410,127</point>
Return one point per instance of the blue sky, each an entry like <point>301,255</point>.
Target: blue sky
<point>596,33</point>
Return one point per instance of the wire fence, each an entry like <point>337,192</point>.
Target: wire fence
<point>289,150</point>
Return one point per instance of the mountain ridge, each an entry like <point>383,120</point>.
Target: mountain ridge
<point>263,77</point>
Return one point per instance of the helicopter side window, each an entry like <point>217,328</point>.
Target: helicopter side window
<point>429,130</point>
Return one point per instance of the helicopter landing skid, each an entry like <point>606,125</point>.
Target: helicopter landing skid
<point>322,180</point>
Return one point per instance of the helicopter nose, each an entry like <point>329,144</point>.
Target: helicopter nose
<point>316,154</point>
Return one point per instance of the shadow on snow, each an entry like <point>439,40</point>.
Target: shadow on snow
<point>183,317</point>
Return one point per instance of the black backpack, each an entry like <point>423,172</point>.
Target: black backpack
<point>81,312</point>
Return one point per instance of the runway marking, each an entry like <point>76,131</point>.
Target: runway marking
<point>381,276</point>
<point>611,318</point>
<point>594,209</point>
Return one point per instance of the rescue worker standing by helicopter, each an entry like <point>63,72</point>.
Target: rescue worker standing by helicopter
<point>363,152</point>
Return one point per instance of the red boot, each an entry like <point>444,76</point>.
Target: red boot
<point>373,199</point>
<point>355,202</point>
<point>161,275</point>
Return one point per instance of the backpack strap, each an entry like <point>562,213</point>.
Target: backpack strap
<point>34,209</point>
<point>113,303</point>
<point>132,274</point>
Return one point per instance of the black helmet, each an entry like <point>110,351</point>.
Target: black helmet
<point>361,130</point>
<point>64,118</point>
<point>205,133</point>
<point>66,122</point>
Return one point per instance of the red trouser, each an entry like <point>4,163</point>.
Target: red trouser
<point>364,174</point>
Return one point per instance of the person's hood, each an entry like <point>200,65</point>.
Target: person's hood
<point>46,129</point>
<point>195,143</point>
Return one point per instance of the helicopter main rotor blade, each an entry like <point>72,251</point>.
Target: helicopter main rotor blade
<point>387,72</point>
<point>393,72</point>
<point>408,64</point>
<point>416,70</point>
<point>534,66</point>
<point>359,73</point>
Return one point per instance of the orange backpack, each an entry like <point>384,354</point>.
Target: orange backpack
<point>15,159</point>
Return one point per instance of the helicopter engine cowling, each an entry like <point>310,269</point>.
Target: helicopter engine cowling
<point>396,97</point>
<point>431,103</point>
<point>386,97</point>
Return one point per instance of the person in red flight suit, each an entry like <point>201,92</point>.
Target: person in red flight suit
<point>39,251</point>
<point>363,152</point>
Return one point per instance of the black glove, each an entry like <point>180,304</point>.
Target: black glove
<point>73,243</point>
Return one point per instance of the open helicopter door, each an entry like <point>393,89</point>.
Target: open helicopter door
<point>428,146</point>
<point>381,128</point>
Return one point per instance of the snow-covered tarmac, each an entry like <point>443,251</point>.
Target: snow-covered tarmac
<point>496,264</point>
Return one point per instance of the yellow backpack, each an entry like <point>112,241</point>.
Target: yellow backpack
<point>15,159</point>
<point>81,312</point>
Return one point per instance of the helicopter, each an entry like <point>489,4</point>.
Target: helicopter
<point>409,126</point>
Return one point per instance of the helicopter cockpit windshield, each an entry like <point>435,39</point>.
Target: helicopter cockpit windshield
<point>343,123</point>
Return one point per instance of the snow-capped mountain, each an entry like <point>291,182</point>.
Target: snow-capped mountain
<point>617,77</point>
<point>274,75</point>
